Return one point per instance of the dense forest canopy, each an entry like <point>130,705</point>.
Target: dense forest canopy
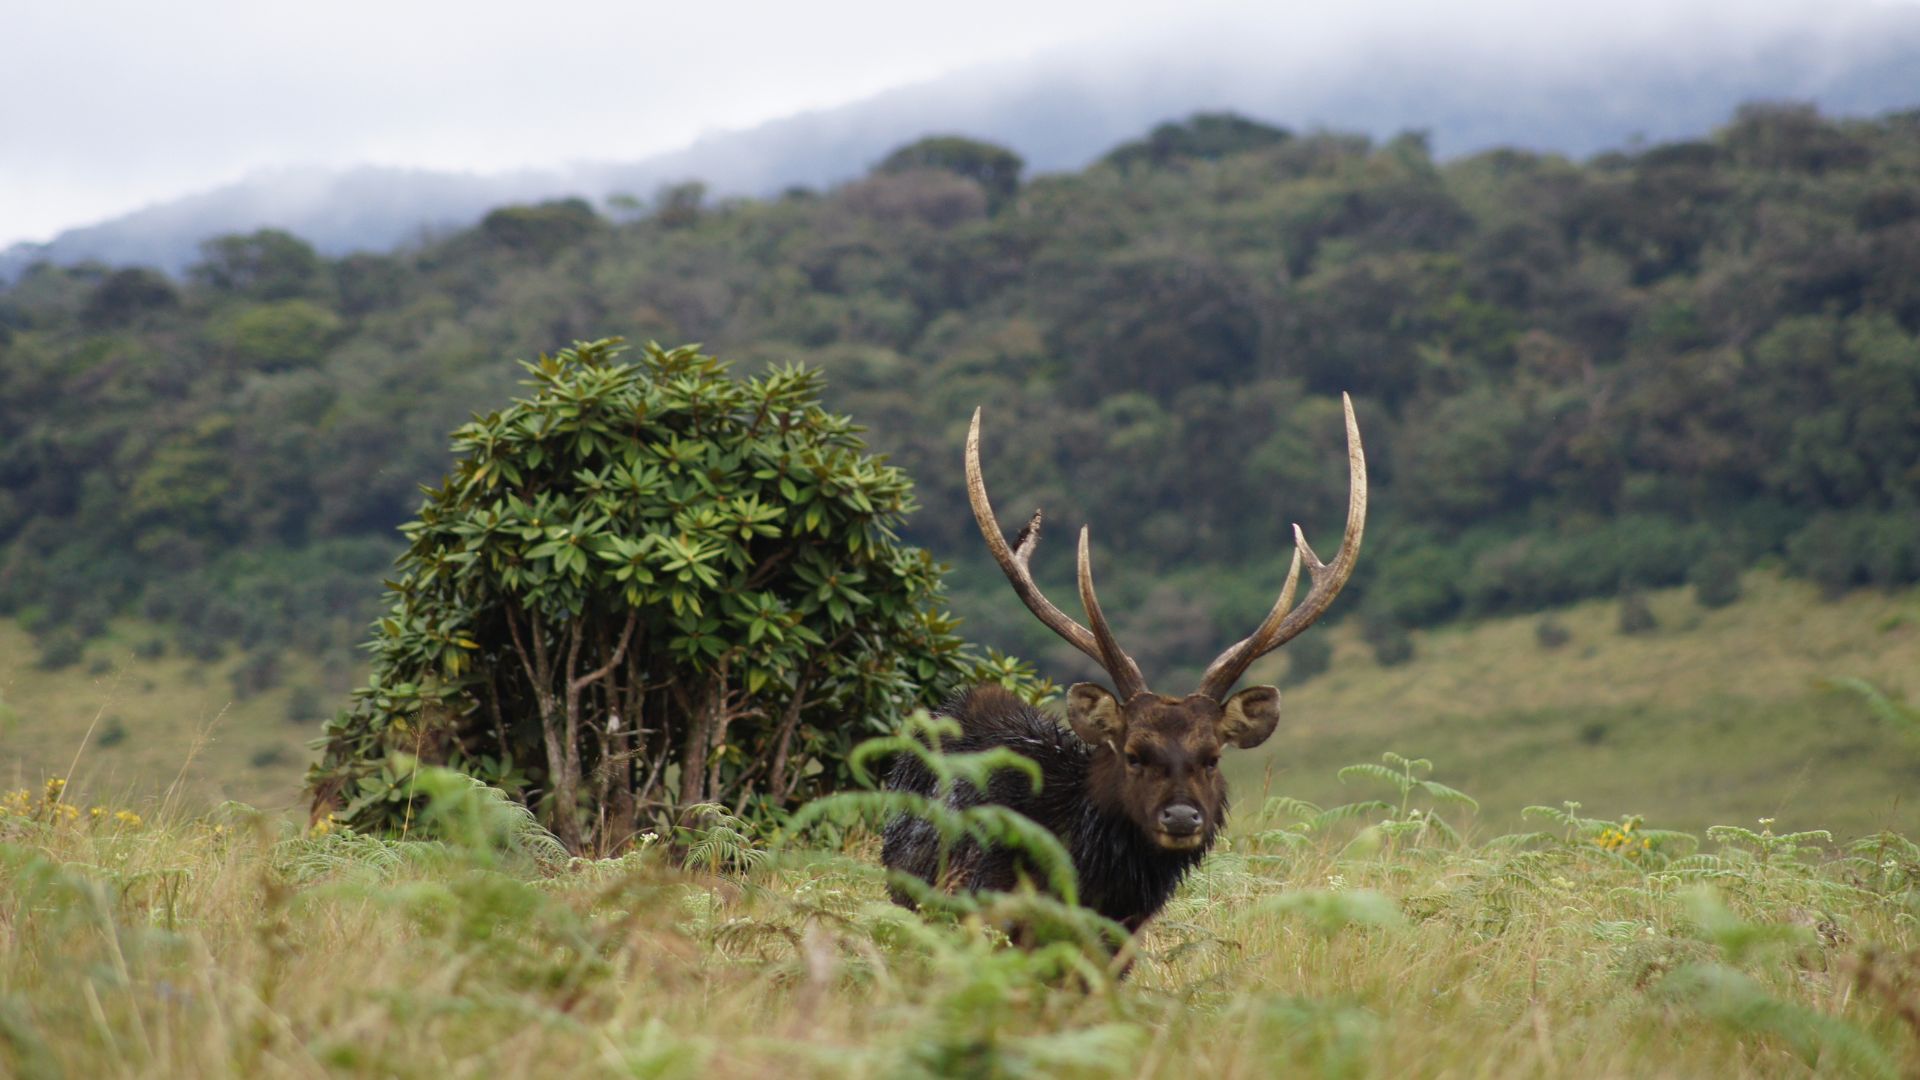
<point>1663,363</point>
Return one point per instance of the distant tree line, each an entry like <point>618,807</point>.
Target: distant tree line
<point>1659,365</point>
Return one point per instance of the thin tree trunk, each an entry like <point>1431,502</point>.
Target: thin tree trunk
<point>693,755</point>
<point>662,754</point>
<point>493,709</point>
<point>722,717</point>
<point>571,693</point>
<point>574,684</point>
<point>561,786</point>
<point>633,709</point>
<point>778,782</point>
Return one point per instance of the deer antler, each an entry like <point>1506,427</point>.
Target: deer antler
<point>1127,680</point>
<point>1282,625</point>
<point>1015,563</point>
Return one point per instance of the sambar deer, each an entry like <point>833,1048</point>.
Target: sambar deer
<point>1132,784</point>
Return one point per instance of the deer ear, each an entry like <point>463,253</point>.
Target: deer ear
<point>1094,714</point>
<point>1250,716</point>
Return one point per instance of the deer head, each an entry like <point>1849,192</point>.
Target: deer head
<point>1155,756</point>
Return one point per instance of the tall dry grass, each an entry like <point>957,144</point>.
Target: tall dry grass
<point>1320,942</point>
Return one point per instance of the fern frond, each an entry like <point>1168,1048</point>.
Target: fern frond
<point>1335,814</point>
<point>1398,781</point>
<point>1442,793</point>
<point>1883,708</point>
<point>1408,766</point>
<point>1292,807</point>
<point>1519,840</point>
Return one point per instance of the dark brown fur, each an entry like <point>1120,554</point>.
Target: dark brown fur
<point>1085,799</point>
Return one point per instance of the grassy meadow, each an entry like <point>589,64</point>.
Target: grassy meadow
<point>159,724</point>
<point>232,944</point>
<point>1714,716</point>
<point>148,928</point>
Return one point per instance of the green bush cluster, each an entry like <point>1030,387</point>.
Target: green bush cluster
<point>645,586</point>
<point>1844,549</point>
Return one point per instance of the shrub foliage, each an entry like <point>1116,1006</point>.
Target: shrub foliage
<point>648,585</point>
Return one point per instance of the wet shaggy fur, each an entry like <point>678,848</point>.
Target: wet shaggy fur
<point>1124,875</point>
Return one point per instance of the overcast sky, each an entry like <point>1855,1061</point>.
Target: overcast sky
<point>107,105</point>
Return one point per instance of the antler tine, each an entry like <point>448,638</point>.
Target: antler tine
<point>1014,562</point>
<point>1127,680</point>
<point>1282,625</point>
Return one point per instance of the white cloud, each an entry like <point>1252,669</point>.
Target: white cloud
<point>106,105</point>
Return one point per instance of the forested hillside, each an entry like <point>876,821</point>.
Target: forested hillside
<point>1660,365</point>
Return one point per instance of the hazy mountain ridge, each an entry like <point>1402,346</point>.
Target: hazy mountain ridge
<point>1477,90</point>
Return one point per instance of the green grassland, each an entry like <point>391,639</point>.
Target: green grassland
<point>187,939</point>
<point>1715,717</point>
<point>182,726</point>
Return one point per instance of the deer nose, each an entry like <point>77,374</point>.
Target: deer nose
<point>1181,819</point>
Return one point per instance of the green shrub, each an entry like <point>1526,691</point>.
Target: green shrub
<point>304,704</point>
<point>201,645</point>
<point>1391,642</point>
<point>60,648</point>
<point>258,672</point>
<point>1636,616</point>
<point>1416,586</point>
<point>1551,633</point>
<point>1839,551</point>
<point>1591,559</point>
<point>1715,578</point>
<point>113,732</point>
<point>268,756</point>
<point>1307,656</point>
<point>646,586</point>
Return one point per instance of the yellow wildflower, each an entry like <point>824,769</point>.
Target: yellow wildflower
<point>128,818</point>
<point>1621,838</point>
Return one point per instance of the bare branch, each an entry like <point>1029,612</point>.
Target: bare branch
<point>619,653</point>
